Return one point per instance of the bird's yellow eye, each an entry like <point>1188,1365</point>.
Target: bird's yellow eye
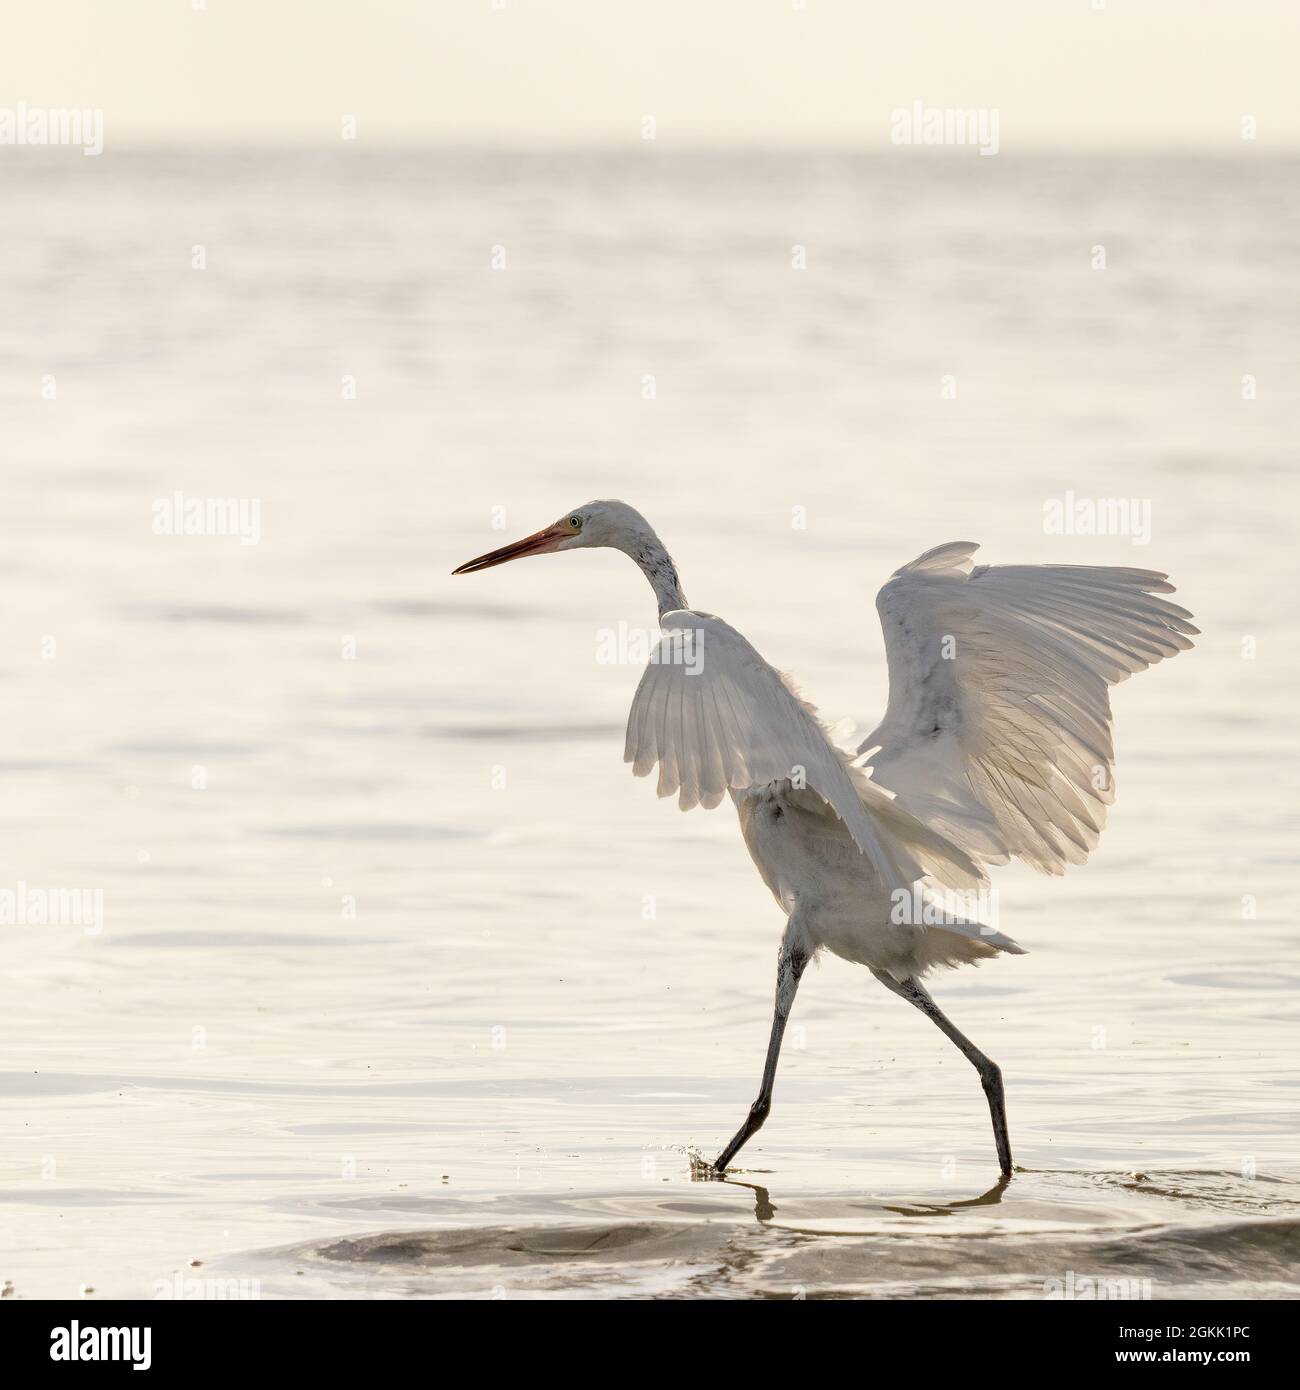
<point>576,522</point>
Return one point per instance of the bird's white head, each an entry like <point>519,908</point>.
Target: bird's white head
<point>612,524</point>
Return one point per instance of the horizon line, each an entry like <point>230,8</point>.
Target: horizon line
<point>292,144</point>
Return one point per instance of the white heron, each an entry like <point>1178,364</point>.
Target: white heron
<point>996,743</point>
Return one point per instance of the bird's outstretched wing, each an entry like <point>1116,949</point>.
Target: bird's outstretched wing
<point>998,728</point>
<point>714,716</point>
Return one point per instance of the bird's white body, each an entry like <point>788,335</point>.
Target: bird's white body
<point>820,879</point>
<point>996,743</point>
<point>833,897</point>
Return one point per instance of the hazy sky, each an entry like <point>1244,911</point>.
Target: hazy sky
<point>1133,73</point>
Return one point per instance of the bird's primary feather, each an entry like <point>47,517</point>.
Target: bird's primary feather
<point>998,728</point>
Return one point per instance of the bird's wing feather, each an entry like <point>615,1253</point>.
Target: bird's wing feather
<point>998,728</point>
<point>715,716</point>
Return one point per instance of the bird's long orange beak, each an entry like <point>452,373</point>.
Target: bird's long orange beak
<point>539,543</point>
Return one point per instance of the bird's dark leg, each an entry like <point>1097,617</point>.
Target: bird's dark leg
<point>990,1073</point>
<point>790,963</point>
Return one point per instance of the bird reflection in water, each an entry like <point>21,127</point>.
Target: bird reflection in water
<point>765,1209</point>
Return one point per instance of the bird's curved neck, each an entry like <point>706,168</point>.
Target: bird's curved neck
<point>656,564</point>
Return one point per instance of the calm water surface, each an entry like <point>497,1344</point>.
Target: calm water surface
<point>405,986</point>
